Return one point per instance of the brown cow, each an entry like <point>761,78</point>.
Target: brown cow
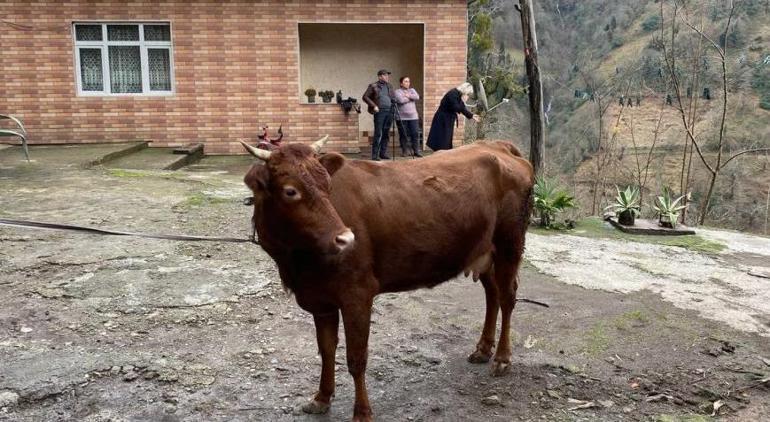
<point>342,232</point>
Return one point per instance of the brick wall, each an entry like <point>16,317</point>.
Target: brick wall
<point>235,69</point>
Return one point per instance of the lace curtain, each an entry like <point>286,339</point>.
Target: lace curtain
<point>160,69</point>
<point>91,69</point>
<point>125,69</point>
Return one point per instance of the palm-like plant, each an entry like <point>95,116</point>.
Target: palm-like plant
<point>626,206</point>
<point>549,200</point>
<point>668,208</point>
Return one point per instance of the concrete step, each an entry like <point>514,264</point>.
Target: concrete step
<point>157,159</point>
<point>189,155</point>
<point>123,151</point>
<point>189,149</point>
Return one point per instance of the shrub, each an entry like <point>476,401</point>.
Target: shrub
<point>651,23</point>
<point>550,200</point>
<point>618,42</point>
<point>760,81</point>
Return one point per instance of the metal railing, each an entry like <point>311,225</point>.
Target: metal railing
<point>20,132</point>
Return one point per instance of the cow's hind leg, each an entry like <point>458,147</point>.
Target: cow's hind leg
<point>326,329</point>
<point>487,341</point>
<point>506,279</point>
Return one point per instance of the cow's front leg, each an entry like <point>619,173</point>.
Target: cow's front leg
<point>356,318</point>
<point>326,328</point>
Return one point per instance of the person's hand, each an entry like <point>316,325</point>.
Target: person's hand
<point>376,109</point>
<point>476,118</point>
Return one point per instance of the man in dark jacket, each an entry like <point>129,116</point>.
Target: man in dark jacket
<point>380,97</point>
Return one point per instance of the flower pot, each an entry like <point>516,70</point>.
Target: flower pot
<point>310,99</point>
<point>327,99</point>
<point>626,218</point>
<point>665,221</point>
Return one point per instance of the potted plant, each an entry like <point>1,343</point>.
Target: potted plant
<point>668,209</point>
<point>626,206</point>
<point>326,95</point>
<point>310,92</point>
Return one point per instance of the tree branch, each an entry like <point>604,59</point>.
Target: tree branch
<point>748,151</point>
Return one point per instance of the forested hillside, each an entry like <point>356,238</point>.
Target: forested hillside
<point>664,60</point>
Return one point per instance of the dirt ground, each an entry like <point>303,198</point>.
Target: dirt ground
<point>128,329</point>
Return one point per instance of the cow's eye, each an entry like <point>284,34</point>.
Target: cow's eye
<point>290,192</point>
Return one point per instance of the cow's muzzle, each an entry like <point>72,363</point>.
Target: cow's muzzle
<point>344,240</point>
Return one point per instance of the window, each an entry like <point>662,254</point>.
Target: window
<point>123,59</point>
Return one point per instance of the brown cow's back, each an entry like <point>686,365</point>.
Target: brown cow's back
<point>421,222</point>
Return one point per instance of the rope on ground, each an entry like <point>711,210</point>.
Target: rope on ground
<point>92,230</point>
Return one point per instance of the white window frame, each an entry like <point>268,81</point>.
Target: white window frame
<point>104,45</point>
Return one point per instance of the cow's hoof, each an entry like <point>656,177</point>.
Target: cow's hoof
<point>362,414</point>
<point>315,407</point>
<point>500,368</point>
<point>479,357</point>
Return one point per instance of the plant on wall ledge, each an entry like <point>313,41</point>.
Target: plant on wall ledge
<point>668,209</point>
<point>626,206</point>
<point>310,93</point>
<point>326,95</point>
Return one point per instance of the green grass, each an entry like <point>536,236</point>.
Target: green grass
<point>597,340</point>
<point>160,174</point>
<point>126,173</point>
<point>594,227</point>
<point>630,319</point>
<point>201,199</point>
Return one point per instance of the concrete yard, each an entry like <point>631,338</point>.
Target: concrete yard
<point>99,328</point>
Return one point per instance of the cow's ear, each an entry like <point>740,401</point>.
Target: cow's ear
<point>257,177</point>
<point>332,162</point>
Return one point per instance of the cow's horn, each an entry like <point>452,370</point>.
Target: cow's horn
<point>259,153</point>
<point>317,145</point>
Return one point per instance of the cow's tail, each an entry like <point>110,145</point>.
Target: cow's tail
<point>530,205</point>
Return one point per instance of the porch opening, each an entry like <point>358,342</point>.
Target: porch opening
<point>346,56</point>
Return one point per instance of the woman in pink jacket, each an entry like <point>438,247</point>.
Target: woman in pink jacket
<point>407,118</point>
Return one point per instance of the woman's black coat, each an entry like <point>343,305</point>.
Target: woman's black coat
<point>442,128</point>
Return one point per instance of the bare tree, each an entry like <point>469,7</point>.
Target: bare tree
<point>767,208</point>
<point>643,170</point>
<point>603,148</point>
<point>476,7</point>
<point>688,118</point>
<point>537,129</point>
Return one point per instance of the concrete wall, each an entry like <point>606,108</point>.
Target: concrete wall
<point>348,56</point>
<point>236,68</point>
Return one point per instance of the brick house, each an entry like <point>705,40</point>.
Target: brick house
<point>204,71</point>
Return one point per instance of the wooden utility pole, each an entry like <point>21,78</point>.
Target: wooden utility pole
<point>536,115</point>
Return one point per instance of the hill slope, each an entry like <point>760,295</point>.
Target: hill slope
<point>607,48</point>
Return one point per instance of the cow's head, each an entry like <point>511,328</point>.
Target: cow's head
<point>292,210</point>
